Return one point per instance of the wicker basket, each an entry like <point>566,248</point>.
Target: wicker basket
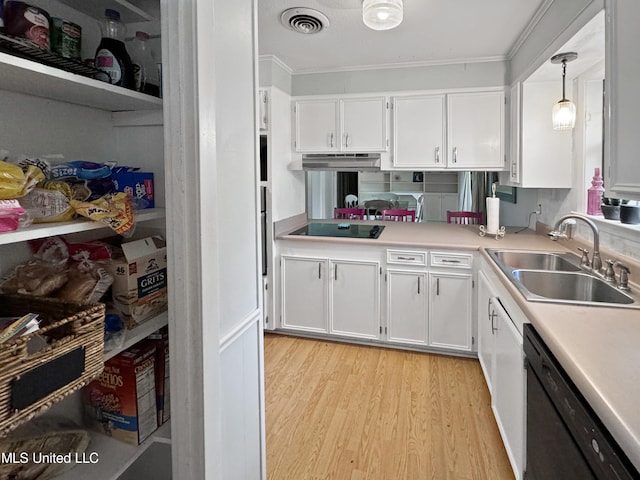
<point>30,383</point>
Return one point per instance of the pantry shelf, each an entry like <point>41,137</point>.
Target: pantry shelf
<point>143,331</point>
<point>43,230</point>
<point>32,78</point>
<point>113,455</point>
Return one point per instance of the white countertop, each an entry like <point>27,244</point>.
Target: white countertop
<point>598,347</point>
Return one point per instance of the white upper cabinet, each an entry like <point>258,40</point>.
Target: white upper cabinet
<point>317,126</point>
<point>364,124</point>
<point>456,131</point>
<point>539,156</point>
<point>475,130</point>
<point>341,125</point>
<point>419,131</point>
<point>622,68</point>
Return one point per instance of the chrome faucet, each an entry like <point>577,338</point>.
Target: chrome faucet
<point>560,232</point>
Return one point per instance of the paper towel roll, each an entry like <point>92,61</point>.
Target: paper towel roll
<point>493,215</point>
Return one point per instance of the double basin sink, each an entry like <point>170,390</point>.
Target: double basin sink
<point>557,277</point>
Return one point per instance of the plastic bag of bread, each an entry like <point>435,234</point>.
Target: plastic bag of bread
<point>12,181</point>
<point>49,202</point>
<point>87,282</point>
<point>113,209</point>
<point>44,274</point>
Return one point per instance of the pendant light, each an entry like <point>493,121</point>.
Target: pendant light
<point>564,112</point>
<point>382,14</point>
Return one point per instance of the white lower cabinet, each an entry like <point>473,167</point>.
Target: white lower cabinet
<point>304,293</point>
<point>407,298</point>
<point>354,298</point>
<point>450,310</point>
<point>502,360</point>
<point>322,295</point>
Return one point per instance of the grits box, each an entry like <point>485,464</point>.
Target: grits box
<point>122,402</point>
<point>139,270</point>
<point>161,341</point>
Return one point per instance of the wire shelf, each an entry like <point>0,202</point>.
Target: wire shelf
<point>23,48</point>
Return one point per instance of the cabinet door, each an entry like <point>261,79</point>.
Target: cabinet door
<point>515,125</point>
<point>304,293</point>
<point>508,396</point>
<point>355,298</point>
<point>622,69</point>
<point>450,310</point>
<point>317,126</point>
<point>486,324</point>
<point>407,307</point>
<point>475,125</point>
<point>418,132</point>
<point>364,125</point>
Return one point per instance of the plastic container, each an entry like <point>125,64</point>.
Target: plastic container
<point>111,55</point>
<point>141,59</point>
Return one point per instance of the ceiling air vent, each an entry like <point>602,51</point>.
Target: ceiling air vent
<point>304,20</point>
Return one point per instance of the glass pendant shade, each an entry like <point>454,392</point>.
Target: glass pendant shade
<point>564,115</point>
<point>382,14</point>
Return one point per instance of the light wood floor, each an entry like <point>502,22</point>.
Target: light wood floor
<point>340,412</point>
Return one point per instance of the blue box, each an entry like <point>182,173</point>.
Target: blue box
<point>137,184</point>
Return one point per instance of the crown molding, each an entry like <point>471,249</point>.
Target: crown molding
<point>537,16</point>
<point>277,61</point>
<point>388,66</point>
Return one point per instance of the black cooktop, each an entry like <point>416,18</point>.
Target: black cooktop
<point>347,230</point>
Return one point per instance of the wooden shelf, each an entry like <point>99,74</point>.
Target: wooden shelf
<point>113,455</point>
<point>33,78</point>
<point>132,11</point>
<point>142,331</point>
<point>42,230</point>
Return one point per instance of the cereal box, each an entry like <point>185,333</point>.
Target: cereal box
<point>161,341</point>
<point>139,271</point>
<point>122,401</point>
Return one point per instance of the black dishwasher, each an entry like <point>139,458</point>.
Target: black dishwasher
<point>565,438</point>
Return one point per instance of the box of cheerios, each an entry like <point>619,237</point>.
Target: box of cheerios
<point>121,403</point>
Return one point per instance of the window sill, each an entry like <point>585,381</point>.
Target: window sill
<point>614,227</point>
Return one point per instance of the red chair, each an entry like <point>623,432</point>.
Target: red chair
<point>465,218</point>
<point>399,215</point>
<point>349,213</point>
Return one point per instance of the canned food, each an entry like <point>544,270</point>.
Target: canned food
<point>26,21</point>
<point>66,38</point>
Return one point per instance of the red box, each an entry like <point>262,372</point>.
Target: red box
<point>122,401</point>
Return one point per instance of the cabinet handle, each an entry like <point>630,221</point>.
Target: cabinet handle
<point>331,140</point>
<point>437,154</point>
<point>437,286</point>
<point>455,154</point>
<point>446,260</point>
<point>418,285</point>
<point>319,270</point>
<point>335,272</point>
<point>407,258</point>
<point>346,140</point>
<point>492,315</point>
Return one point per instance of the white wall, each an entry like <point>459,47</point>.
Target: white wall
<point>273,72</point>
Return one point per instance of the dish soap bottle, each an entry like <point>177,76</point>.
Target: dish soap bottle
<point>111,55</point>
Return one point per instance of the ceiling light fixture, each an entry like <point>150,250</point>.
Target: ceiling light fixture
<point>382,14</point>
<point>564,112</point>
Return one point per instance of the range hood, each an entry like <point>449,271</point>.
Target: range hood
<point>342,162</point>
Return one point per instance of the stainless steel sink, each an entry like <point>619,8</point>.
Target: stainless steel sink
<point>529,260</point>
<point>570,286</point>
<point>557,277</point>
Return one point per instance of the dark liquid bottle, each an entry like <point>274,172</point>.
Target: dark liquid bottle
<point>111,55</point>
